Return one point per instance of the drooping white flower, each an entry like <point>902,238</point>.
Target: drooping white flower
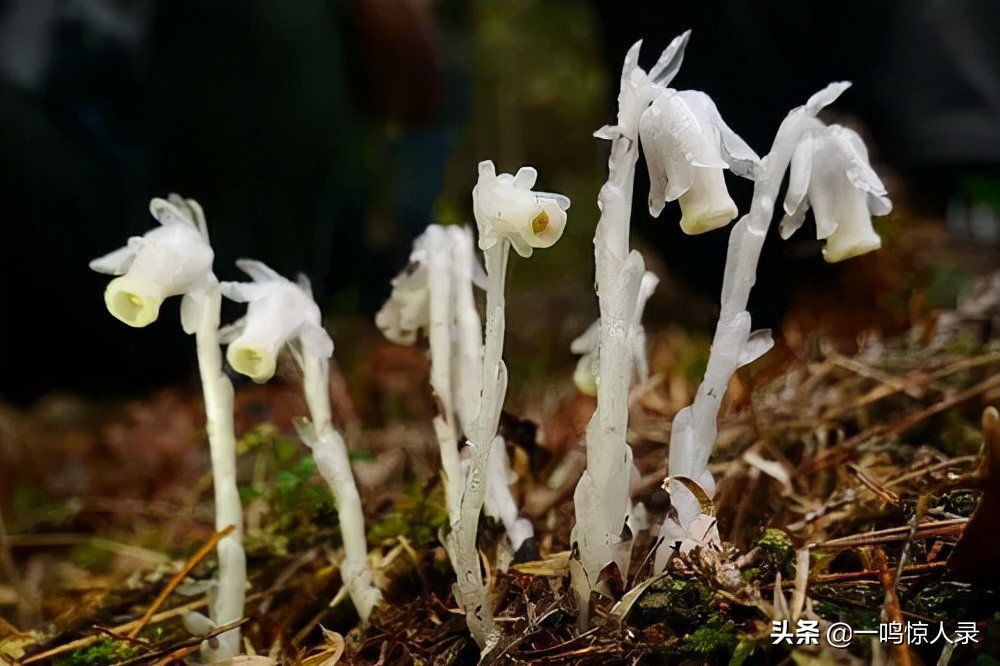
<point>831,172</point>
<point>687,145</point>
<point>278,312</point>
<point>506,206</point>
<point>172,259</point>
<point>407,311</point>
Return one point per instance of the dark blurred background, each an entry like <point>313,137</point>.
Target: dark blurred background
<point>324,136</point>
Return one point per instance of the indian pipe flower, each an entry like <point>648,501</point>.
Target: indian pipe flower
<point>278,312</point>
<point>408,309</point>
<point>830,171</point>
<point>687,146</point>
<point>172,259</point>
<point>506,206</point>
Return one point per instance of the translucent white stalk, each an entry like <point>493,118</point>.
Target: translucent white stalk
<point>508,214</point>
<point>333,464</point>
<point>170,260</point>
<point>602,495</point>
<point>695,428</point>
<point>440,283</point>
<point>281,312</point>
<point>227,605</point>
<point>470,589</point>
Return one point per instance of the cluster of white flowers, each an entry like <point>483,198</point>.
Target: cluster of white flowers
<point>687,147</point>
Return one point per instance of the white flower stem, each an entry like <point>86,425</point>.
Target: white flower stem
<point>440,288</point>
<point>471,589</point>
<point>332,462</point>
<point>602,496</point>
<point>695,428</point>
<point>218,392</point>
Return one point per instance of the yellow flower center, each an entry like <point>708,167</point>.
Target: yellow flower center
<point>540,223</point>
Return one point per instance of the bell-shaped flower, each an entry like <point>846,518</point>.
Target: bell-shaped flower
<point>172,259</point>
<point>687,146</point>
<point>830,172</point>
<point>505,206</point>
<point>279,311</point>
<point>407,311</point>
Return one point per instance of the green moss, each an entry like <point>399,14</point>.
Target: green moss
<point>716,637</point>
<point>777,552</point>
<point>684,605</point>
<point>418,516</point>
<point>107,651</point>
<point>959,502</point>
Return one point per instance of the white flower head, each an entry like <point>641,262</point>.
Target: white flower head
<point>172,259</point>
<point>506,206</point>
<point>830,172</point>
<point>407,311</point>
<point>687,145</point>
<point>638,88</point>
<point>279,311</point>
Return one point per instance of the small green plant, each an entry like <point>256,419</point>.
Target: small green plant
<point>107,651</point>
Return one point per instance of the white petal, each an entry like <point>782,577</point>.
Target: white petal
<point>190,313</point>
<point>167,213</point>
<point>525,178</point>
<point>826,96</point>
<point>316,341</point>
<point>631,62</point>
<point>302,280</point>
<point>486,168</point>
<point>245,292</point>
<point>737,155</point>
<point>520,246</point>
<point>258,270</point>
<point>798,175</point>
<point>587,341</point>
<point>879,205</point>
<point>115,262</point>
<point>791,223</point>
<point>655,161</point>
<point>669,64</point>
<point>758,343</point>
<point>859,171</point>
<point>230,332</point>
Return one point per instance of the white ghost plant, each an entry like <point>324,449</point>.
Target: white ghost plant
<point>687,145</point>
<point>602,501</point>
<point>505,206</point>
<point>279,313</point>
<point>830,171</point>
<point>508,213</point>
<point>175,259</point>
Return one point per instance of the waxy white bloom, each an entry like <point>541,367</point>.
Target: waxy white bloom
<point>172,259</point>
<point>830,171</point>
<point>687,146</point>
<point>278,312</point>
<point>505,206</point>
<point>407,311</point>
